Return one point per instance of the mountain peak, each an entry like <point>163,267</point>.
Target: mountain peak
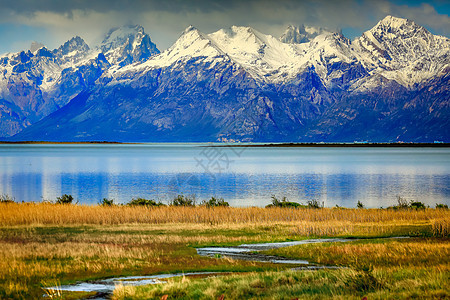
<point>74,44</point>
<point>301,34</point>
<point>392,21</point>
<point>117,36</point>
<point>189,28</point>
<point>397,25</point>
<point>127,44</point>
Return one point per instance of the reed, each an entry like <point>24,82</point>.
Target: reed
<point>50,214</point>
<point>441,227</point>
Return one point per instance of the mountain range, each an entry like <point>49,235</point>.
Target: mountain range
<point>311,84</point>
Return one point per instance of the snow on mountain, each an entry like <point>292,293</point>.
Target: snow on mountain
<point>261,55</point>
<point>397,49</point>
<point>403,51</point>
<point>192,43</point>
<point>264,57</point>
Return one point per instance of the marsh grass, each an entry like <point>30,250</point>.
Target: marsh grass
<point>36,256</point>
<point>43,242</point>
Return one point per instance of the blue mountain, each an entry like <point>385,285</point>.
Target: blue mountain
<point>237,84</point>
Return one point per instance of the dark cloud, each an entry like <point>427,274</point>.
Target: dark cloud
<point>164,20</point>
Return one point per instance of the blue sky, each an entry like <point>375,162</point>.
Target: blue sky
<point>53,22</point>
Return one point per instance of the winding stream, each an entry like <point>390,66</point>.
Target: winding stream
<point>249,252</point>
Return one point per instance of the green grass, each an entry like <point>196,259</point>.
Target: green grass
<point>323,284</point>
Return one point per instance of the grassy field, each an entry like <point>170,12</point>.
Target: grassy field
<point>48,244</point>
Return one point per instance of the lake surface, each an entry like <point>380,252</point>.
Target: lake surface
<point>242,176</point>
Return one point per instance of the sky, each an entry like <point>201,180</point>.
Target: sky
<point>52,22</point>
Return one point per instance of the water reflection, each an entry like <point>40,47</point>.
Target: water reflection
<point>244,177</point>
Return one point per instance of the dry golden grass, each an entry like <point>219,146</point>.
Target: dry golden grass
<point>43,213</point>
<point>41,242</point>
<point>304,222</point>
<point>441,227</point>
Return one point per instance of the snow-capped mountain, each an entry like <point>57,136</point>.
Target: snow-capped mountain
<point>35,84</point>
<point>403,51</point>
<point>311,84</point>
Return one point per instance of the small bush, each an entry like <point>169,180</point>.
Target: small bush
<point>417,205</point>
<point>144,202</point>
<point>107,202</point>
<point>213,202</point>
<point>284,203</point>
<point>359,205</point>
<point>314,204</point>
<point>364,280</point>
<point>402,203</point>
<point>5,198</point>
<point>64,199</point>
<point>441,206</point>
<point>182,200</point>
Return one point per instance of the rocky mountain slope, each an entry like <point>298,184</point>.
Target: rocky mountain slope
<point>237,84</point>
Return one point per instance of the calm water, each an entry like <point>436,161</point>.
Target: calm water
<point>242,176</point>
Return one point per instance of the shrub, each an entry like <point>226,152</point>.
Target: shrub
<point>144,202</point>
<point>284,203</point>
<point>363,280</point>
<point>402,203</point>
<point>215,202</point>
<point>441,206</point>
<point>417,205</point>
<point>359,205</point>
<point>314,204</point>
<point>64,199</point>
<point>107,202</point>
<point>182,200</point>
<point>5,198</point>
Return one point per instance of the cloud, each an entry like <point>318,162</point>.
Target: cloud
<point>165,20</point>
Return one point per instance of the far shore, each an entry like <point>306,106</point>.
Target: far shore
<point>44,142</point>
<point>275,145</point>
<point>350,145</point>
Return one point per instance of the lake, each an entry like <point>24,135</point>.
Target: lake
<point>246,176</point>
